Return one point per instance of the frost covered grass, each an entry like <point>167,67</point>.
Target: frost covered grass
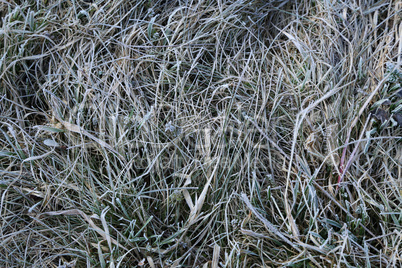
<point>200,133</point>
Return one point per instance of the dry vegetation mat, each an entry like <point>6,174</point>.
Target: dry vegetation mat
<point>200,133</point>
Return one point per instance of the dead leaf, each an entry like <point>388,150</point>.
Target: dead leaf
<point>380,114</point>
<point>398,118</point>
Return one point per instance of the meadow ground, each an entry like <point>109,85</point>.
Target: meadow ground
<point>200,133</point>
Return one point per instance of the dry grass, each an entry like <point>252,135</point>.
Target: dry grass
<point>200,133</point>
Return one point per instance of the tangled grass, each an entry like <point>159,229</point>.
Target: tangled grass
<point>199,133</point>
